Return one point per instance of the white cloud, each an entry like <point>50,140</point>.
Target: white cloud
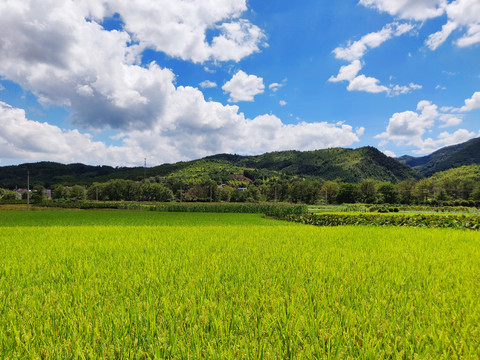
<point>243,87</point>
<point>389,153</point>
<point>461,14</point>
<point>438,38</point>
<point>178,28</point>
<point>472,37</point>
<point>215,128</point>
<point>356,50</point>
<point>207,84</point>
<point>409,128</point>
<point>449,120</point>
<point>367,84</point>
<point>347,72</point>
<point>408,9</point>
<point>52,50</point>
<point>282,103</point>
<point>445,139</point>
<point>31,140</point>
<point>398,90</point>
<point>275,86</point>
<point>471,104</point>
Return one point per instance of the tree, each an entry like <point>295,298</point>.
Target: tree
<point>225,193</point>
<point>78,193</point>
<point>59,192</point>
<point>387,190</point>
<point>8,194</point>
<point>38,194</point>
<point>330,191</point>
<point>368,191</point>
<point>423,190</point>
<point>348,194</point>
<point>405,190</point>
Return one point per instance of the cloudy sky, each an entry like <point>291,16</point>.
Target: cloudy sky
<point>115,81</point>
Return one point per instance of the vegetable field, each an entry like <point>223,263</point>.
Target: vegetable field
<point>151,285</point>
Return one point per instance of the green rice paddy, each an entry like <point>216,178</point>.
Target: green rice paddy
<point>148,285</point>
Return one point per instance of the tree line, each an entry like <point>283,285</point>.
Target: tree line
<point>425,191</point>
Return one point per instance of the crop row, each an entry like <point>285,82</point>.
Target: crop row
<point>415,220</point>
<point>244,208</point>
<point>270,210</point>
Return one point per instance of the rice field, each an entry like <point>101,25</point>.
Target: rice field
<point>148,285</point>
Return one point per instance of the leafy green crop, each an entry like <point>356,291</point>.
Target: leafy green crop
<point>471,222</point>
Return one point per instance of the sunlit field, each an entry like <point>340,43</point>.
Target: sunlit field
<point>133,285</point>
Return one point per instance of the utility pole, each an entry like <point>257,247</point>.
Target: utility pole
<point>28,190</point>
<point>145,170</point>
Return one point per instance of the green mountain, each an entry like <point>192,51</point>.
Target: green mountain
<point>349,165</point>
<point>462,173</point>
<point>467,153</point>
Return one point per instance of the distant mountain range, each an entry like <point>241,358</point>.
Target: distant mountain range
<point>349,165</point>
<point>467,153</point>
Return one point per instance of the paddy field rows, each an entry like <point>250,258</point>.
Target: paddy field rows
<point>132,285</point>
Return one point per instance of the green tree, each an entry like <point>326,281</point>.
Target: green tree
<point>59,192</point>
<point>330,191</point>
<point>38,194</point>
<point>388,193</point>
<point>78,193</point>
<point>368,191</point>
<point>348,194</point>
<point>405,190</point>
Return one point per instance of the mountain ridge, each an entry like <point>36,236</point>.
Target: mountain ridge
<point>448,157</point>
<point>349,165</point>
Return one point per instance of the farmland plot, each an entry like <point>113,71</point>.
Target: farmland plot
<point>235,287</point>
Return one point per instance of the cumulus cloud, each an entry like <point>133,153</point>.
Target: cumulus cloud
<point>207,84</point>
<point>347,72</point>
<point>31,140</point>
<point>409,128</point>
<point>282,103</point>
<point>243,87</point>
<point>471,104</point>
<point>216,128</point>
<point>60,52</point>
<point>367,84</point>
<point>178,28</point>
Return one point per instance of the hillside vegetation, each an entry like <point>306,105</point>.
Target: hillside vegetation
<point>467,153</point>
<point>349,165</point>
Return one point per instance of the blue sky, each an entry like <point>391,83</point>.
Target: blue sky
<point>116,81</point>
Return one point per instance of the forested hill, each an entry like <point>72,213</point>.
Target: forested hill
<point>467,153</point>
<point>330,164</point>
<point>349,165</point>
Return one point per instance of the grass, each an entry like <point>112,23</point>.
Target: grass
<point>182,286</point>
<point>55,217</point>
